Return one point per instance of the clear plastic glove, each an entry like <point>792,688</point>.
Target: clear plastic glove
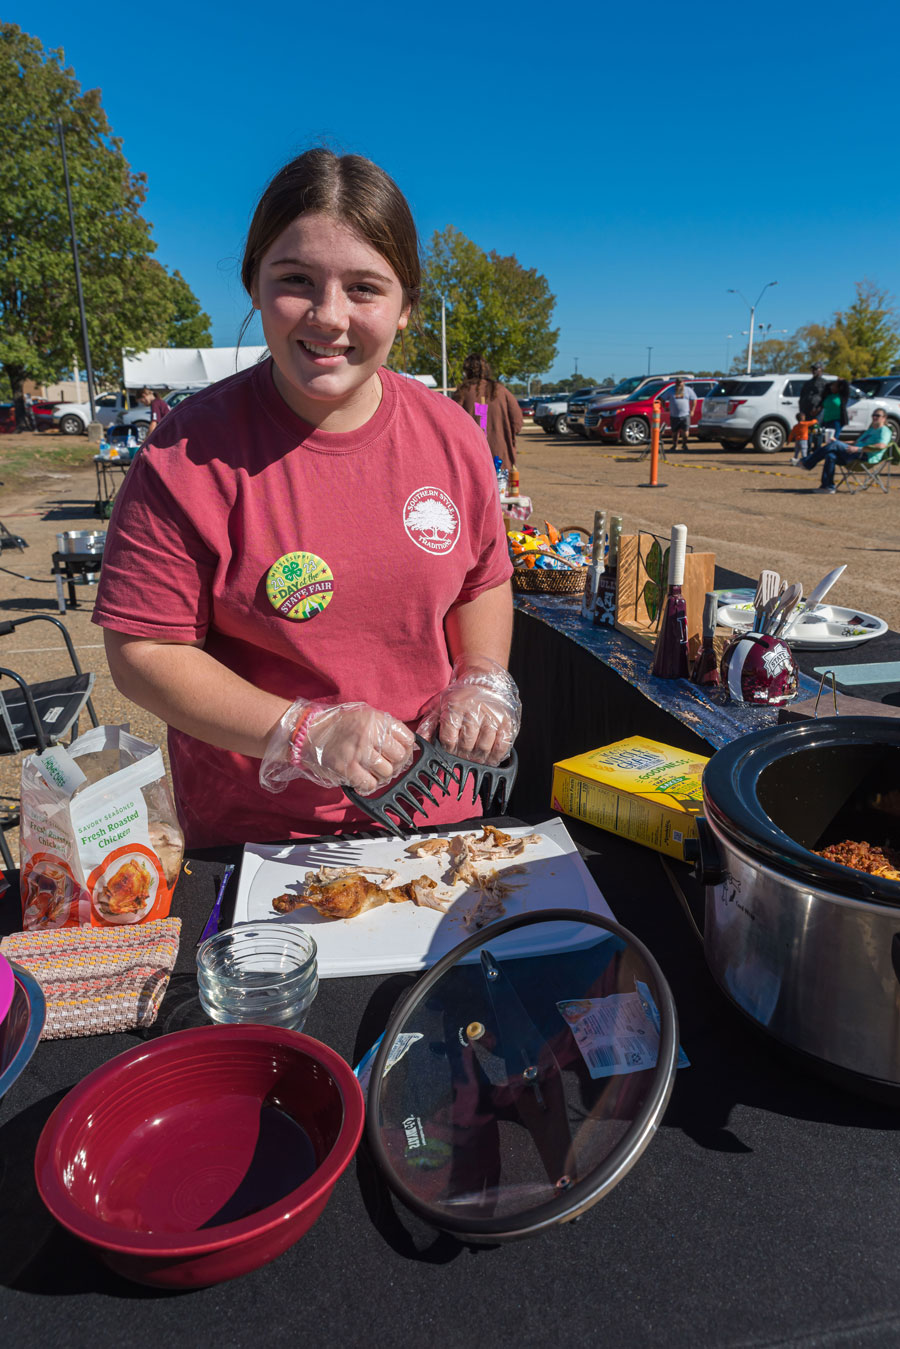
<point>478,714</point>
<point>336,745</point>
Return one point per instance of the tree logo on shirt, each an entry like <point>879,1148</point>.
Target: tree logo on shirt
<point>299,586</point>
<point>431,520</point>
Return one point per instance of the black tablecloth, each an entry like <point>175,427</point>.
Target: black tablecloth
<point>763,1213</point>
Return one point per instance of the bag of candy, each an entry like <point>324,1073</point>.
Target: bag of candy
<point>99,838</point>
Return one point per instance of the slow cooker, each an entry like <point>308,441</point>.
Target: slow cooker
<point>807,948</point>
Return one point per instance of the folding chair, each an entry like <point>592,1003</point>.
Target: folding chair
<point>35,716</point>
<point>859,476</point>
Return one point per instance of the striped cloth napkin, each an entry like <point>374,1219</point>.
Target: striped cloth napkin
<point>98,979</point>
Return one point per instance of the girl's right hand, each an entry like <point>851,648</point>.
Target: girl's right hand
<point>336,745</point>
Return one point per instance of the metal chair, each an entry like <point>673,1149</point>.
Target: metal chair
<point>859,476</point>
<point>35,716</point>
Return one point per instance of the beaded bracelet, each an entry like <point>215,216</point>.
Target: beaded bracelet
<point>298,735</point>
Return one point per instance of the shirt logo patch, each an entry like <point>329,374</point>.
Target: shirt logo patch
<point>431,520</point>
<point>299,586</point>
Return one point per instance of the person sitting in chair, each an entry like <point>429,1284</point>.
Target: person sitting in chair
<point>870,447</point>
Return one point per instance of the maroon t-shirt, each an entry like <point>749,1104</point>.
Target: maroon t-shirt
<point>158,409</point>
<point>313,564</point>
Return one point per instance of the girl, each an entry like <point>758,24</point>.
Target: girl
<point>504,416</point>
<point>309,556</point>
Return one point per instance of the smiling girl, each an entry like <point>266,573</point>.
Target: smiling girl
<point>308,558</point>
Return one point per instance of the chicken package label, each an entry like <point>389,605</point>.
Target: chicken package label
<point>99,836</point>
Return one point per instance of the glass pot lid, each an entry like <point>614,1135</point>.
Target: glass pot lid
<point>509,1092</point>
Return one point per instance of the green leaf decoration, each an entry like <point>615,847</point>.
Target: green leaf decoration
<point>656,565</point>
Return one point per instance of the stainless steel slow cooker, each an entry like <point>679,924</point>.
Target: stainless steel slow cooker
<point>807,948</point>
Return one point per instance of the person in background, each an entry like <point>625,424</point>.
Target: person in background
<point>504,416</point>
<point>158,408</point>
<point>834,415</point>
<point>680,401</point>
<point>871,447</point>
<point>812,395</point>
<point>799,438</point>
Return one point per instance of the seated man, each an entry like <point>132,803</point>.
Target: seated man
<point>870,446</point>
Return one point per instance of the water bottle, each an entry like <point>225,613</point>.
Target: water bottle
<point>502,476</point>
<point>104,448</point>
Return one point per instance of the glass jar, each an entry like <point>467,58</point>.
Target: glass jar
<point>264,973</point>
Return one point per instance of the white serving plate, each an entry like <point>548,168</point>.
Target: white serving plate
<point>821,629</point>
<point>397,937</point>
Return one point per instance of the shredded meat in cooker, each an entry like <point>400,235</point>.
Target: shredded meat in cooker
<point>864,857</point>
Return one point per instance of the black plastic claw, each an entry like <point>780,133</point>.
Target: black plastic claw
<point>436,767</point>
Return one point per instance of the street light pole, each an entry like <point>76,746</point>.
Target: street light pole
<point>444,344</point>
<point>753,308</point>
<point>649,354</point>
<point>84,331</point>
<point>728,338</point>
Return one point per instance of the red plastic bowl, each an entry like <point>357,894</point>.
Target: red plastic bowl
<point>202,1155</point>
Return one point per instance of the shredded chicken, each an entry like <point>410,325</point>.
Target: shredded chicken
<point>346,892</point>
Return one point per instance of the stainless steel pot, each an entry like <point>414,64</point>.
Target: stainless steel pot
<point>81,541</point>
<point>809,949</point>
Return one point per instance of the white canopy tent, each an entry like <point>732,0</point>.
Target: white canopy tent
<point>185,367</point>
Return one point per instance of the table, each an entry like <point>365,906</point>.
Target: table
<point>107,472</point>
<point>763,1212</point>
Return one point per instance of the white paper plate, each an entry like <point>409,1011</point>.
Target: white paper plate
<point>822,629</point>
<point>399,937</point>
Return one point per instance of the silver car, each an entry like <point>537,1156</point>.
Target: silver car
<point>761,410</point>
<point>139,417</point>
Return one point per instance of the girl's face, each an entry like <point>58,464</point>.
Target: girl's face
<point>330,306</point>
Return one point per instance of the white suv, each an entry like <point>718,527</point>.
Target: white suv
<point>762,409</point>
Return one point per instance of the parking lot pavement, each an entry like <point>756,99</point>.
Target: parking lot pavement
<point>752,510</point>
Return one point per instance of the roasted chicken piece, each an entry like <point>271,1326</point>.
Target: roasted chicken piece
<point>352,894</point>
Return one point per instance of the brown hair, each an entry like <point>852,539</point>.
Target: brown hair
<point>477,371</point>
<point>351,189</point>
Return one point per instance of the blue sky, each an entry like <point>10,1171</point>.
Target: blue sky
<point>644,160</point>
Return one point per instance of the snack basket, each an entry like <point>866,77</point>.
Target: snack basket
<point>569,582</point>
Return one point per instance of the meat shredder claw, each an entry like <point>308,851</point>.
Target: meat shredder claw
<point>435,766</point>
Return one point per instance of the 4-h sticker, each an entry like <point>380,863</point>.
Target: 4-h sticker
<point>431,520</point>
<point>299,585</point>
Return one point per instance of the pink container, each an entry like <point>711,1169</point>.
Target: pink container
<point>201,1155</point>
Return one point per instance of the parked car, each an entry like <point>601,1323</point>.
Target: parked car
<point>528,405</point>
<point>627,421</point>
<point>41,407</point>
<point>578,408</point>
<point>73,418</point>
<point>550,413</point>
<point>619,391</point>
<point>139,417</point>
<point>879,386</point>
<point>761,409</point>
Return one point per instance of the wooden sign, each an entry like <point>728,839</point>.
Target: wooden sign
<point>642,580</point>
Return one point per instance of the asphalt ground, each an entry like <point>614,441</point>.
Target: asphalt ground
<point>752,510</point>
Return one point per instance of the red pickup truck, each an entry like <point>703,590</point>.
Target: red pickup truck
<point>628,421</point>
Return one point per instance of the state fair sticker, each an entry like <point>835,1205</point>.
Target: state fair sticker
<point>299,586</point>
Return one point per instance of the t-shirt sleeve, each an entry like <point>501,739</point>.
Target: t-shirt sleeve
<point>157,572</point>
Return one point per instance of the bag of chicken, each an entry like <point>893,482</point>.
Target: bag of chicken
<point>100,841</point>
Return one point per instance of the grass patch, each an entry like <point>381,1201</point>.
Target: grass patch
<point>26,458</point>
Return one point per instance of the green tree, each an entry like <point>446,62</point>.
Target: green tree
<point>494,306</point>
<point>188,325</point>
<point>126,307</point>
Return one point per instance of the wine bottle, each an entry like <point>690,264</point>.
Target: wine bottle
<point>670,654</point>
<point>706,667</point>
<point>605,609</point>
<point>595,571</point>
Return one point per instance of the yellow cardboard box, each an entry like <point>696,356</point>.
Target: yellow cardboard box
<point>638,788</point>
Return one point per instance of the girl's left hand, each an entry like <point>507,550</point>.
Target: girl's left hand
<point>478,714</point>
